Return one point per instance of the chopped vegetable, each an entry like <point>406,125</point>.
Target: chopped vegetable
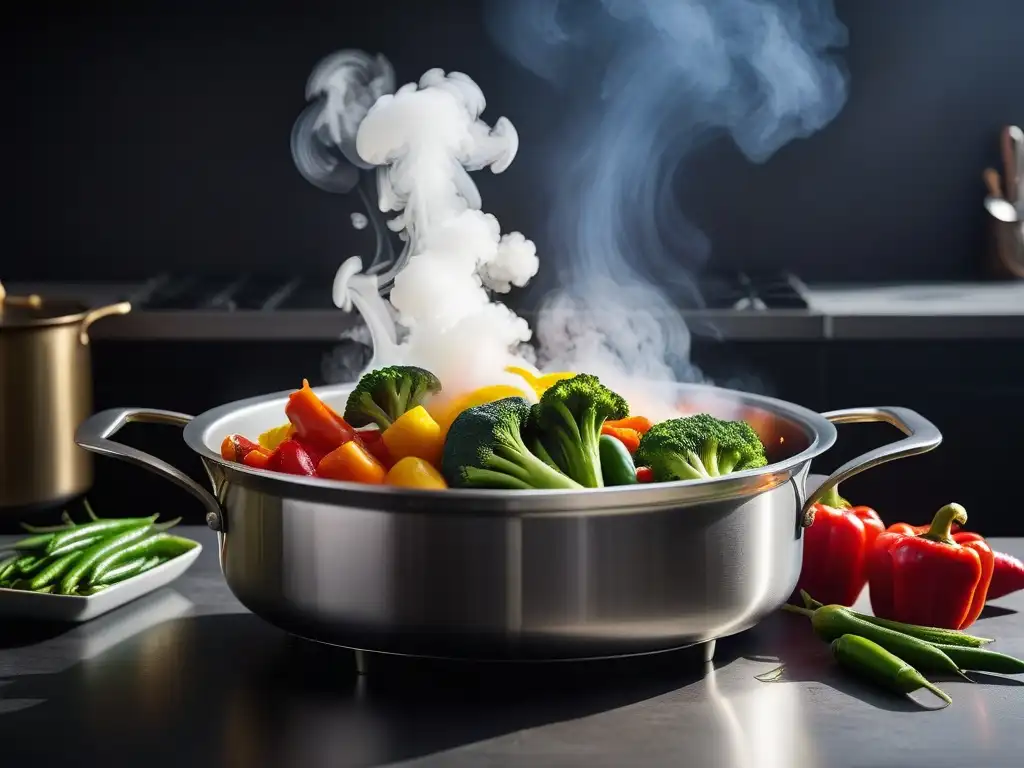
<point>381,396</point>
<point>930,578</point>
<point>315,423</point>
<point>257,460</point>
<point>236,447</point>
<point>414,472</point>
<point>639,424</point>
<point>699,447</point>
<point>292,458</point>
<point>644,475</point>
<point>274,437</point>
<point>616,463</point>
<point>863,657</point>
<point>629,438</point>
<point>836,547</point>
<point>352,463</point>
<point>446,413</point>
<point>568,421</point>
<point>373,442</point>
<point>485,449</point>
<point>538,382</point>
<point>414,433</point>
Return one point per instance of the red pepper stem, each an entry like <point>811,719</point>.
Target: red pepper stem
<point>941,529</point>
<point>831,498</point>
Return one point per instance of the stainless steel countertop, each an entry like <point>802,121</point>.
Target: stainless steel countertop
<point>869,312</point>
<point>186,676</point>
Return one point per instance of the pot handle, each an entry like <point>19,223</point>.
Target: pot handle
<point>94,435</point>
<point>121,308</point>
<point>921,437</point>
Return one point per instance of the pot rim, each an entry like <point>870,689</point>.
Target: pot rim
<point>821,434</point>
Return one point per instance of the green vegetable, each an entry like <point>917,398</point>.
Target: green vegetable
<point>98,528</point>
<point>831,622</point>
<point>158,545</point>
<point>485,449</point>
<point>384,394</point>
<point>699,447</point>
<point>41,541</point>
<point>7,567</point>
<point>121,572</point>
<point>53,572</point>
<point>101,550</point>
<point>933,635</point>
<point>617,466</point>
<point>74,546</point>
<point>982,660</point>
<point>568,421</point>
<point>862,656</point>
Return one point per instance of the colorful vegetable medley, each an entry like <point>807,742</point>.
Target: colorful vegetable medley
<point>579,434</point>
<point>86,558</point>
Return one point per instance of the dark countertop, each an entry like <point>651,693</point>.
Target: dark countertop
<point>185,676</point>
<point>993,310</point>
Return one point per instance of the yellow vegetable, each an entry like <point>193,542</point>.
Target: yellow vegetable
<point>413,472</point>
<point>445,414</point>
<point>538,383</point>
<point>414,433</point>
<point>274,437</point>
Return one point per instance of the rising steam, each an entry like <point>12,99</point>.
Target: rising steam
<point>647,81</point>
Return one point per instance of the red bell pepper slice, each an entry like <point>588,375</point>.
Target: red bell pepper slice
<point>316,423</point>
<point>374,445</point>
<point>292,459</point>
<point>930,579</point>
<point>836,547</point>
<point>236,448</point>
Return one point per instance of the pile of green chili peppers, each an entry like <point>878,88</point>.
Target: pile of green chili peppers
<point>895,655</point>
<point>82,559</point>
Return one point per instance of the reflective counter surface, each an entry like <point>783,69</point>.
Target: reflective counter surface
<point>186,676</point>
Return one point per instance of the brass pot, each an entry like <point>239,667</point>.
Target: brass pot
<point>45,392</point>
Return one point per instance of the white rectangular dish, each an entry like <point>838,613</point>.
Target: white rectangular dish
<point>21,604</point>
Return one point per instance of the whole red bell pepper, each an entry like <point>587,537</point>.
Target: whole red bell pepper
<point>1007,572</point>
<point>835,549</point>
<point>929,578</point>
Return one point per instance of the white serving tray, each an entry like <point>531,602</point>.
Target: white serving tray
<point>21,604</point>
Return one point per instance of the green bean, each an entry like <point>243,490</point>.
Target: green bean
<point>49,575</point>
<point>93,590</point>
<point>48,589</point>
<point>7,566</point>
<point>45,528</point>
<point>100,527</point>
<point>161,545</point>
<point>76,545</point>
<point>122,572</point>
<point>98,552</point>
<point>88,510</point>
<point>40,541</point>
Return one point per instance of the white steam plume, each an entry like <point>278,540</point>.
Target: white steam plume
<point>669,75</point>
<point>425,138</point>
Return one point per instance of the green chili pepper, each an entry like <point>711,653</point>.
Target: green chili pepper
<point>162,545</point>
<point>99,551</point>
<point>982,660</point>
<point>617,466</point>
<point>933,635</point>
<point>40,541</point>
<point>53,572</point>
<point>831,622</point>
<point>871,660</point>
<point>7,566</point>
<point>100,527</point>
<point>76,545</point>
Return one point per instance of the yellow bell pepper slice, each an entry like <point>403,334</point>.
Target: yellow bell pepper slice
<point>414,472</point>
<point>414,433</point>
<point>274,437</point>
<point>446,413</point>
<point>538,382</point>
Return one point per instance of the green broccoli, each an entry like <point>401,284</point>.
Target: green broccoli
<point>384,394</point>
<point>567,426</point>
<point>485,449</point>
<point>699,447</point>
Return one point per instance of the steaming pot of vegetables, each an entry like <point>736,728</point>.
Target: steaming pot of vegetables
<point>546,522</point>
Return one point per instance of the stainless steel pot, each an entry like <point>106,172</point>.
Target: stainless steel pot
<point>539,575</point>
<point>45,392</point>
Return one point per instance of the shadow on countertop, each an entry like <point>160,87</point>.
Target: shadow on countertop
<point>230,690</point>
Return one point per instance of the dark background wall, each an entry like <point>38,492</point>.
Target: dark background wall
<point>154,135</point>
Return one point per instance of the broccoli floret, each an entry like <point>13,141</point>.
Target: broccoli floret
<point>485,449</point>
<point>699,447</point>
<point>567,423</point>
<point>382,395</point>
